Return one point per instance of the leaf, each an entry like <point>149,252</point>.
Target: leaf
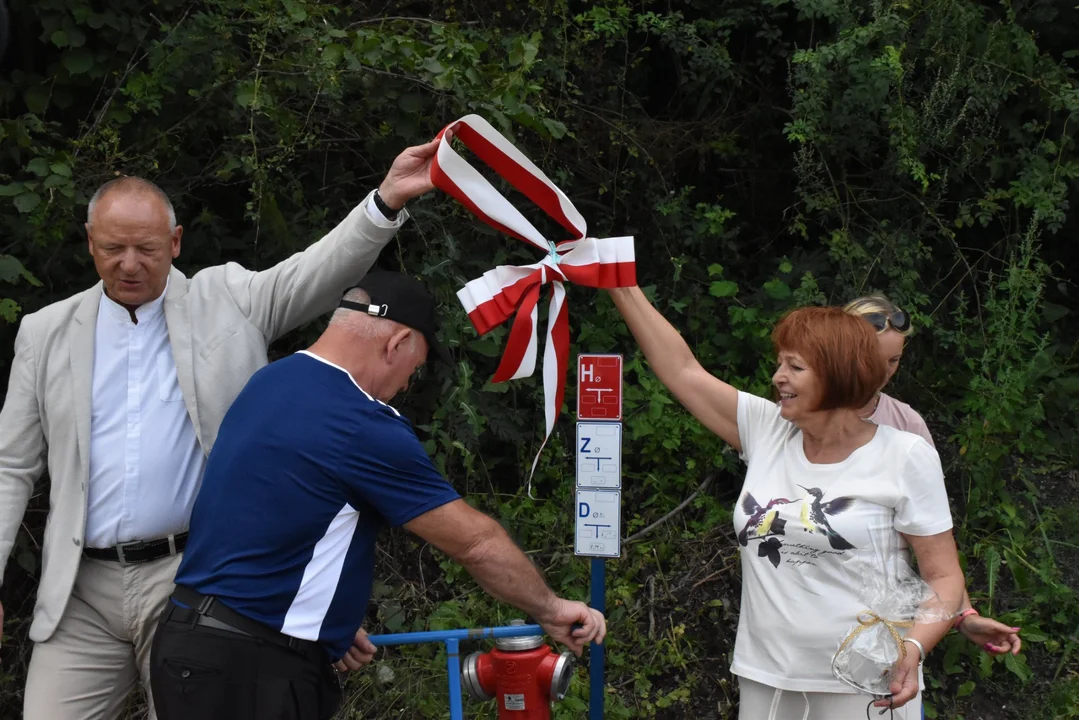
<point>75,37</point>
<point>556,128</point>
<point>297,13</point>
<point>78,61</point>
<point>992,568</point>
<point>27,202</point>
<point>487,346</point>
<point>10,268</point>
<point>777,289</point>
<point>391,614</point>
<point>332,54</point>
<point>723,288</point>
<point>11,189</point>
<point>245,95</point>
<point>531,50</point>
<point>1017,665</point>
<point>965,689</point>
<point>59,39</point>
<point>36,99</point>
<point>715,269</point>
<point>9,309</point>
<point>38,166</point>
<point>61,169</point>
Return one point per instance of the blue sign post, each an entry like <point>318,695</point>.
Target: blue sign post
<point>598,510</point>
<point>596,653</point>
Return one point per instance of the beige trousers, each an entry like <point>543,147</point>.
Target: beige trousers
<point>763,702</point>
<point>89,666</point>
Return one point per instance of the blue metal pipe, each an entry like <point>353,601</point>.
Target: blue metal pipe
<point>452,639</point>
<point>415,638</point>
<point>453,667</point>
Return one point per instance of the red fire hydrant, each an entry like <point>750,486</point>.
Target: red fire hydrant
<point>523,673</point>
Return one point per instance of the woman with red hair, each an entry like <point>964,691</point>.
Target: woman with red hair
<point>823,487</point>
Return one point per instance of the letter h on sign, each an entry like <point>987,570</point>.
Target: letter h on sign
<point>599,387</point>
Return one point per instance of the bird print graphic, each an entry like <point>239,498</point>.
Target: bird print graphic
<point>762,520</point>
<point>815,516</point>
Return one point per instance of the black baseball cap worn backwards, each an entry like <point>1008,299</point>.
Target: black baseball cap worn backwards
<point>401,298</point>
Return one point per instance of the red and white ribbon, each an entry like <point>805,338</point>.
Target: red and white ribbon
<point>507,289</point>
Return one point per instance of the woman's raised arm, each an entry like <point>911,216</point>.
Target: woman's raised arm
<point>709,399</point>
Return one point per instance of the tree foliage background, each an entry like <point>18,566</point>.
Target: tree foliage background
<point>765,154</point>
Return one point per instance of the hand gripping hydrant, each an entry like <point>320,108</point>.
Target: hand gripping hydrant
<point>523,673</point>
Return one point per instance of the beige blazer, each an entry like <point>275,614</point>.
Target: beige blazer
<point>220,323</point>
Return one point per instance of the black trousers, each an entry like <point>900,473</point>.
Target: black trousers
<point>201,673</point>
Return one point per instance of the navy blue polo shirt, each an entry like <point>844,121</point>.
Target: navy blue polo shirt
<point>306,469</point>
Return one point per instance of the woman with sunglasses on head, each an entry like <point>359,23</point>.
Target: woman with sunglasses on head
<point>823,490</point>
<point>893,325</point>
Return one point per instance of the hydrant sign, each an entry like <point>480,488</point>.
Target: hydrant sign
<point>598,508</point>
<point>599,455</point>
<point>599,387</point>
<point>598,523</point>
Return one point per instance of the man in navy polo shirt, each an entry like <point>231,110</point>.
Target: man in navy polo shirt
<point>309,465</point>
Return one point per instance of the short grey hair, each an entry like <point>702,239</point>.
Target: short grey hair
<point>131,184</point>
<point>364,326</point>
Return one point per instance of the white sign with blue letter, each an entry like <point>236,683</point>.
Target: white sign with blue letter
<point>599,455</point>
<point>599,523</point>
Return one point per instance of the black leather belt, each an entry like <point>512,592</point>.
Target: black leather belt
<point>140,551</point>
<point>200,607</point>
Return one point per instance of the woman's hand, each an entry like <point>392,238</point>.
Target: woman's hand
<point>904,681</point>
<point>994,637</point>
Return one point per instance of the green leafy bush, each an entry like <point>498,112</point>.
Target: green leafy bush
<point>764,153</point>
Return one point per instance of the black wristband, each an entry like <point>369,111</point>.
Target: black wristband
<point>385,209</point>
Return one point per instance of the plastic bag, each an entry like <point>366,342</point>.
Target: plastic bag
<point>895,598</point>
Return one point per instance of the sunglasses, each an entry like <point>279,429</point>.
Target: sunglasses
<point>899,320</point>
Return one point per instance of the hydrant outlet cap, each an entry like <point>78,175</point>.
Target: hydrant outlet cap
<point>519,644</point>
<point>470,678</point>
<point>562,675</point>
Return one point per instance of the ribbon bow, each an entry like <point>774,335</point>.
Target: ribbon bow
<point>508,289</point>
<point>867,619</point>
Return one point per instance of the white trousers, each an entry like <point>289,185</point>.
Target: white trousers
<point>763,702</point>
<point>101,648</point>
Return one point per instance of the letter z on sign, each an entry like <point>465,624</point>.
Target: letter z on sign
<point>599,387</point>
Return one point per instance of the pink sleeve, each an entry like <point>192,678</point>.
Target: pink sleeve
<point>915,423</point>
<point>901,416</point>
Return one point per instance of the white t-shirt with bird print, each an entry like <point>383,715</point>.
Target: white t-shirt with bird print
<point>803,526</point>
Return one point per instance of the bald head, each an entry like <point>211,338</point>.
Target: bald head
<point>130,185</point>
<point>133,238</point>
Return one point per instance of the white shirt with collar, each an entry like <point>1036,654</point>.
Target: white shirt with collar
<point>146,463</point>
<point>145,460</point>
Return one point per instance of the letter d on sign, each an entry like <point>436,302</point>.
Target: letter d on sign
<point>583,510</point>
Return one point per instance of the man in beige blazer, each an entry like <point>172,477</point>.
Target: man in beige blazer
<point>118,392</point>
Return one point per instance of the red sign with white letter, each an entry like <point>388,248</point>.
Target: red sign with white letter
<point>599,387</point>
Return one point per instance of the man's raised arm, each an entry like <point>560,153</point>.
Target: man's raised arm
<point>309,283</point>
